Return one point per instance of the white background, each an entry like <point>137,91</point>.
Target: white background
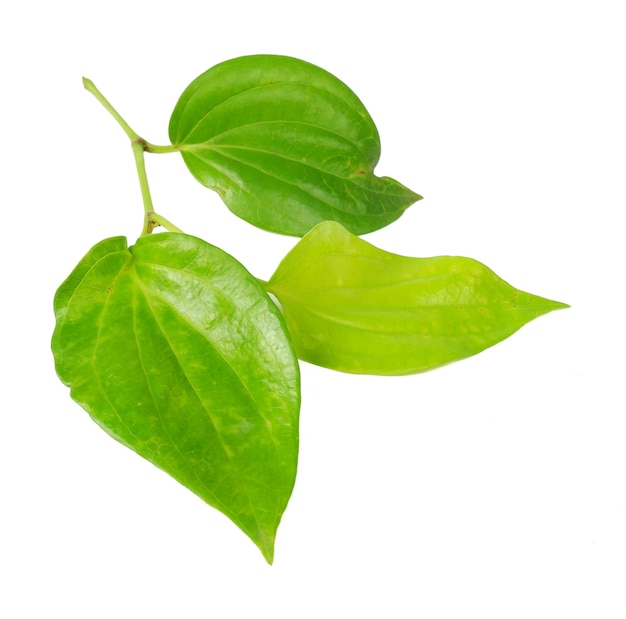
<point>494,487</point>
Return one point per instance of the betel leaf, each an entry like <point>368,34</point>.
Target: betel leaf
<point>286,145</point>
<point>353,307</point>
<point>178,353</point>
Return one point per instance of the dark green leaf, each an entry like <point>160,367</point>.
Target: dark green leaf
<point>286,145</point>
<point>353,307</point>
<point>178,353</point>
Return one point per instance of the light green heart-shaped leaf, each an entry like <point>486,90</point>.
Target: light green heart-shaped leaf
<point>178,353</point>
<point>286,145</point>
<point>353,307</point>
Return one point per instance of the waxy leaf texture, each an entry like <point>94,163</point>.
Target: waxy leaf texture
<point>286,145</point>
<point>353,307</point>
<point>178,353</point>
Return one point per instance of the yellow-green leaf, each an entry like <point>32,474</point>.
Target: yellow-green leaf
<point>353,307</point>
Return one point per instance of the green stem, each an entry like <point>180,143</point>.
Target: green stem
<point>140,162</point>
<point>168,148</point>
<point>91,87</point>
<point>151,220</point>
<point>147,146</point>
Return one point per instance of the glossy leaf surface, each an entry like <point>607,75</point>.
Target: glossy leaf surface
<point>178,353</point>
<point>353,307</point>
<point>286,145</point>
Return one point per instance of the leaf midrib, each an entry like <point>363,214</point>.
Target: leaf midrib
<point>370,215</point>
<point>251,397</point>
